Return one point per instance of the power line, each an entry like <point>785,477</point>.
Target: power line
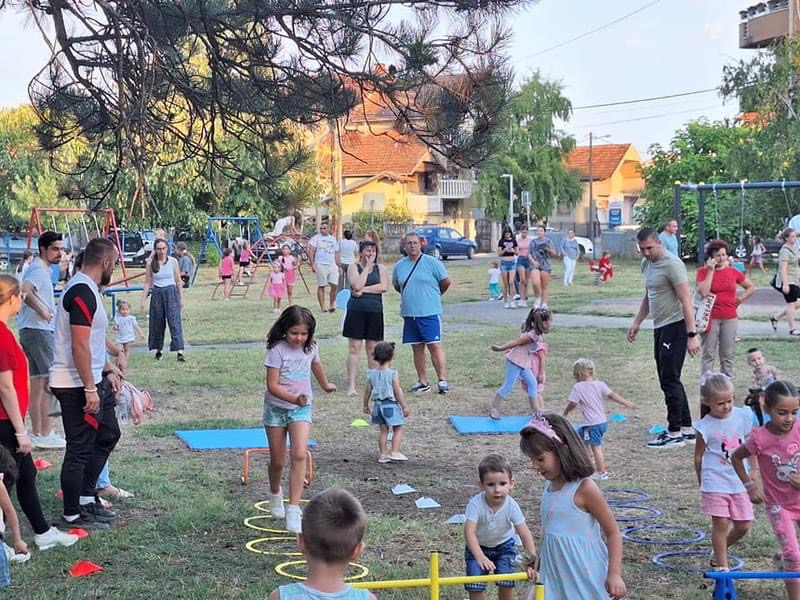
<point>647,118</point>
<point>595,30</point>
<point>651,99</point>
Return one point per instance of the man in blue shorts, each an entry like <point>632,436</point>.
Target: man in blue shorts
<point>421,281</point>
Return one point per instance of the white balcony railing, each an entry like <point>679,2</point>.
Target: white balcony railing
<point>456,188</point>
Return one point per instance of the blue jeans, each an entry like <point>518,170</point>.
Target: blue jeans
<point>104,478</point>
<point>503,558</point>
<point>514,372</point>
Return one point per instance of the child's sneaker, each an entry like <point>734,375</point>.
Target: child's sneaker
<point>600,475</point>
<point>521,304</point>
<point>398,457</point>
<point>276,505</point>
<point>12,555</point>
<point>384,458</point>
<point>507,305</point>
<point>294,519</point>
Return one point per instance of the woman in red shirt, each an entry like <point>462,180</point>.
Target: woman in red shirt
<point>719,277</point>
<point>13,406</point>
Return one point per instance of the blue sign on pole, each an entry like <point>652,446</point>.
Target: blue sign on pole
<point>614,216</point>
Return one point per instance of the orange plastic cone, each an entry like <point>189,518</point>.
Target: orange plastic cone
<point>83,568</point>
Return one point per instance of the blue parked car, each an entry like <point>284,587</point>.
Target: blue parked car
<point>443,242</point>
<point>12,245</point>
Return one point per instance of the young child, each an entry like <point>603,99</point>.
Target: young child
<point>185,264</point>
<point>719,433</point>
<point>8,516</point>
<point>574,561</point>
<point>277,287</point>
<point>288,264</point>
<point>493,517</point>
<point>127,328</point>
<point>494,280</point>
<point>763,375</point>
<point>389,405</point>
<point>333,530</point>
<point>292,356</point>
<point>776,447</point>
<point>244,262</point>
<point>606,266</point>
<point>590,394</point>
<point>757,254</point>
<point>519,357</point>
<point>226,272</point>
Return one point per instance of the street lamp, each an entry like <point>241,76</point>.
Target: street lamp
<point>591,193</point>
<point>510,199</point>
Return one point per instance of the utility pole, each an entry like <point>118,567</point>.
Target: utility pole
<point>510,199</point>
<point>591,198</point>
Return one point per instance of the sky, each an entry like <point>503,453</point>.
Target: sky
<point>668,47</point>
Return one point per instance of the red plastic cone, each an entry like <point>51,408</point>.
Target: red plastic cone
<point>42,464</point>
<point>81,533</point>
<point>83,568</point>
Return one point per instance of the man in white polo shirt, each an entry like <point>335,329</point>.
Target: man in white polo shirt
<point>84,384</point>
<point>323,253</point>
<point>36,322</point>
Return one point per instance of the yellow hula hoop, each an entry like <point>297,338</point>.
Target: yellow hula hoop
<point>251,545</point>
<point>281,569</point>
<point>249,522</point>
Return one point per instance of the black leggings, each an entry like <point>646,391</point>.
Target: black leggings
<point>26,480</point>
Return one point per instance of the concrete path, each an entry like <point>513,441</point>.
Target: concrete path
<point>493,313</point>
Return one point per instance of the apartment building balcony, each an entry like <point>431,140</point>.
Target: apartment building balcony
<point>765,23</point>
<point>450,189</point>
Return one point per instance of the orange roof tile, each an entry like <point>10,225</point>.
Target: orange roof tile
<point>369,154</point>
<point>605,160</point>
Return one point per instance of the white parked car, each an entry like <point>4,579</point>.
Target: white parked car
<point>585,245</point>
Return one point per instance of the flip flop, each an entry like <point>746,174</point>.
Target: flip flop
<point>774,322</point>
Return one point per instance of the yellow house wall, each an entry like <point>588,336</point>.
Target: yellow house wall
<point>393,191</point>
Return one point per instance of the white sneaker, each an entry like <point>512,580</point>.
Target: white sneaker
<point>12,555</point>
<point>398,457</point>
<point>507,305</point>
<point>516,296</point>
<point>294,519</point>
<point>600,475</point>
<point>52,538</point>
<point>51,441</point>
<point>276,505</point>
<point>521,304</point>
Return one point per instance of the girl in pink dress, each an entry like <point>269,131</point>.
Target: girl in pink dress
<point>288,264</point>
<point>277,286</point>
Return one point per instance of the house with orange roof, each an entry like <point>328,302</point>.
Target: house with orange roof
<point>376,164</point>
<point>617,185</point>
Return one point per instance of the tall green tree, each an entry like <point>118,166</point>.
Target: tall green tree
<point>532,149</point>
<point>130,77</point>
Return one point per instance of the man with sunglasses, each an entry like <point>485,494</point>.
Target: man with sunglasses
<point>36,333</point>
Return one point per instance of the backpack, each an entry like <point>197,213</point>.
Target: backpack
<point>132,403</point>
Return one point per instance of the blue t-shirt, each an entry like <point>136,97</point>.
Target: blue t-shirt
<point>421,296</point>
<point>670,242</point>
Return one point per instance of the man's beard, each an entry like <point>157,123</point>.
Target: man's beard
<point>105,278</point>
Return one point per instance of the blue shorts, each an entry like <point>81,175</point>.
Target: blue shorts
<point>508,266</point>
<point>502,556</point>
<point>281,417</point>
<point>5,576</point>
<point>387,412</point>
<point>523,262</point>
<point>593,434</point>
<point>422,330</point>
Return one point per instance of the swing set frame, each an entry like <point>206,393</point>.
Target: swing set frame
<point>702,188</point>
<point>109,226</point>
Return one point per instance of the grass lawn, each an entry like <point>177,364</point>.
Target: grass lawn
<point>183,536</point>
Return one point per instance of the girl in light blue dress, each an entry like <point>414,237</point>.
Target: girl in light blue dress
<point>575,561</point>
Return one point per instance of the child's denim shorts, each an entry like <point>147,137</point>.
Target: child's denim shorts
<point>387,412</point>
<point>281,417</point>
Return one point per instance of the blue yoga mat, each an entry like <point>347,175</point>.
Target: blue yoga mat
<point>486,425</point>
<point>224,439</point>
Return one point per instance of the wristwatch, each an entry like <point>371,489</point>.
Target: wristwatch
<point>691,334</point>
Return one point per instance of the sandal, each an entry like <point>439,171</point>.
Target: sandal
<point>115,492</point>
<point>774,322</point>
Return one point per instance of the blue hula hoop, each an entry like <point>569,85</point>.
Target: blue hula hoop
<point>659,560</point>
<point>634,496</point>
<point>650,513</point>
<point>697,535</point>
